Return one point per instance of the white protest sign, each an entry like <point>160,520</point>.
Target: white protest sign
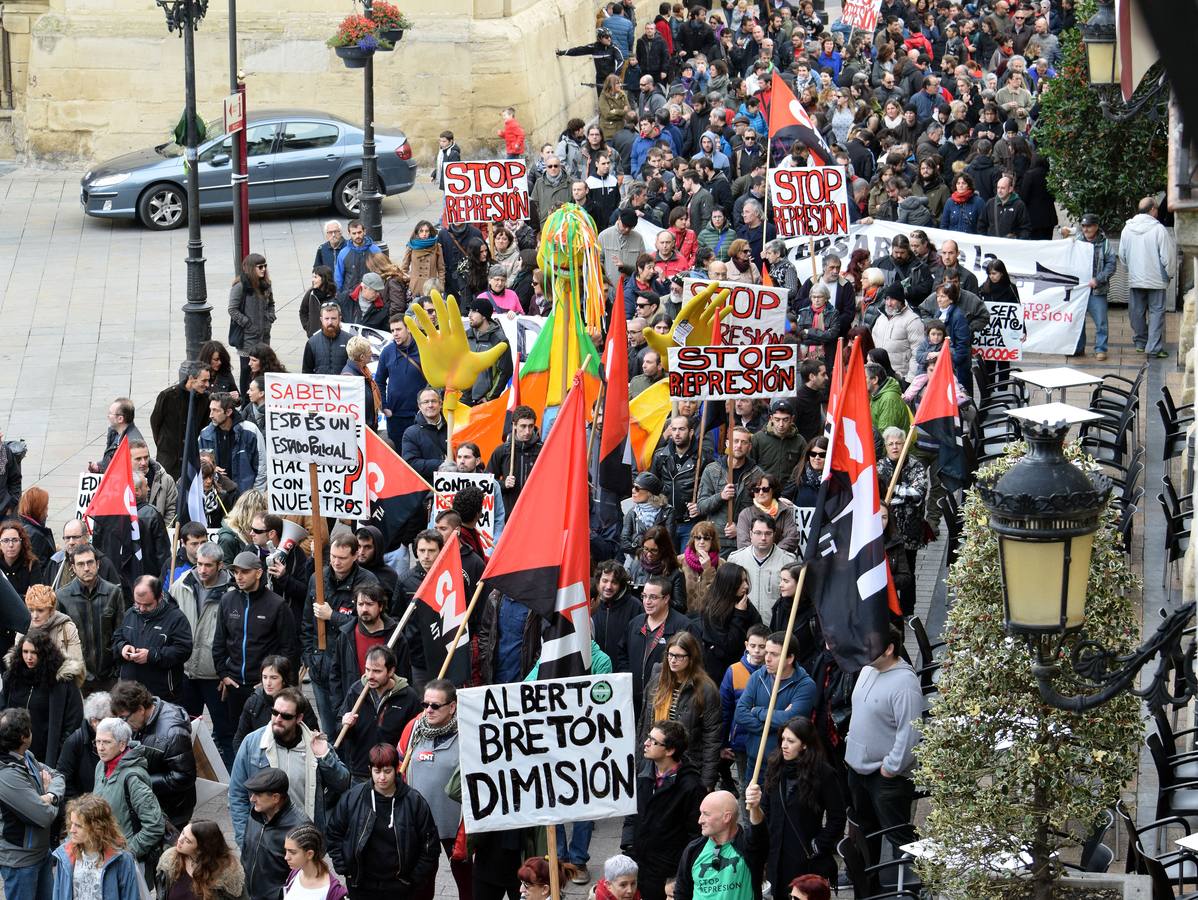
<point>1052,277</point>
<point>755,314</point>
<point>88,482</point>
<point>861,14</point>
<point>733,373</point>
<point>314,418</point>
<point>342,487</point>
<point>446,486</point>
<point>809,203</point>
<point>803,517</point>
<point>545,752</point>
<point>1002,338</point>
<point>485,191</point>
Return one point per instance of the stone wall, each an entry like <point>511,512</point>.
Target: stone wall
<point>96,78</point>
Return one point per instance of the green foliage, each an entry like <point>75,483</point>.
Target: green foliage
<point>1096,165</point>
<point>1004,771</point>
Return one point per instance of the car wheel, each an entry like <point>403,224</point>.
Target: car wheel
<point>347,195</point>
<point>162,207</point>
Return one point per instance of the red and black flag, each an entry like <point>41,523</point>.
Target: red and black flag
<point>853,588</point>
<point>113,512</point>
<point>939,420</point>
<point>396,490</point>
<point>542,560</point>
<point>789,122</point>
<point>441,611</point>
<point>615,455</point>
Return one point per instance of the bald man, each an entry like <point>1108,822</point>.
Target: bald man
<point>725,863</point>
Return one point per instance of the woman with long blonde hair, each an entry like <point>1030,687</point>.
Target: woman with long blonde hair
<point>234,534</point>
<point>93,861</point>
<point>680,690</point>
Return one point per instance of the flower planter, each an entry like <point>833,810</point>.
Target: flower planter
<point>353,57</point>
<point>394,35</point>
<point>1129,887</point>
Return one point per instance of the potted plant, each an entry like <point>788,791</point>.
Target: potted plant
<point>356,39</point>
<point>390,22</point>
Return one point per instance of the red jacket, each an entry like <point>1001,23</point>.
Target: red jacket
<point>513,136</point>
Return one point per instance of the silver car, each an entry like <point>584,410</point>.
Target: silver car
<point>296,158</point>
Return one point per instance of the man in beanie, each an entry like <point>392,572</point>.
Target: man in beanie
<point>483,334</point>
<point>272,817</point>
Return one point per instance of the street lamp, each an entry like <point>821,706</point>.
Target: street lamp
<point>184,16</point>
<point>1100,36</point>
<point>370,201</point>
<point>1045,512</point>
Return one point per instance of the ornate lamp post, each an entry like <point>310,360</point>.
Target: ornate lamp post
<point>371,201</point>
<point>1100,35</point>
<point>184,16</point>
<point>1045,511</point>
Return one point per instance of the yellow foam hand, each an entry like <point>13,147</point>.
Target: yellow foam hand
<point>696,320</point>
<point>445,355</point>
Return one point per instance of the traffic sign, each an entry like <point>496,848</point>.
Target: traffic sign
<point>234,113</point>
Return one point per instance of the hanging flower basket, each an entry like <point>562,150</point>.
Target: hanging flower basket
<point>354,57</point>
<point>390,22</point>
<point>392,35</point>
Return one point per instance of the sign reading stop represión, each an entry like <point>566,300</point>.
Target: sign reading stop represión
<point>809,203</point>
<point>486,191</point>
<point>734,373</point>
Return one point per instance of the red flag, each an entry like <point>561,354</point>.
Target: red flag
<point>766,280</point>
<point>388,474</point>
<point>615,472</point>
<point>854,590</point>
<point>543,557</point>
<point>442,610</point>
<point>789,122</point>
<point>115,530</point>
<point>939,419</point>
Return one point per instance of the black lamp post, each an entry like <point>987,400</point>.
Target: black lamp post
<point>1100,35</point>
<point>184,16</point>
<point>370,200</point>
<point>1045,511</point>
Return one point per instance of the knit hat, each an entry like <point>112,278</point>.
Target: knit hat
<point>483,307</point>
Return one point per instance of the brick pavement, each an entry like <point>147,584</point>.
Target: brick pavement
<point>91,311</point>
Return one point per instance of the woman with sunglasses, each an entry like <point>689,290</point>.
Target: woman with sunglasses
<point>767,499</point>
<point>801,804</point>
<point>534,878</point>
<point>683,692</point>
<point>251,312</point>
<point>657,556</point>
<point>804,481</point>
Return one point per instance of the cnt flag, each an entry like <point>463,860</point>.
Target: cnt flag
<point>394,488</point>
<point>543,557</point>
<point>939,419</point>
<point>853,588</point>
<point>442,610</point>
<point>113,509</point>
<point>789,122</point>
<point>615,455</point>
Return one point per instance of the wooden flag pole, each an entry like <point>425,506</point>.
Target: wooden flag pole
<point>599,401</point>
<point>555,887</point>
<point>447,411</point>
<point>898,466</point>
<point>391,642</point>
<point>317,555</point>
<point>765,222</point>
<point>407,760</point>
<point>790,625</point>
<point>699,451</point>
<point>814,267</point>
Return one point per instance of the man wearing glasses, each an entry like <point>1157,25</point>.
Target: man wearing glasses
<point>287,744</point>
<point>326,253</point>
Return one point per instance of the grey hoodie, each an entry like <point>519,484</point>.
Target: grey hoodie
<point>1147,253</point>
<point>886,710</point>
<point>25,819</point>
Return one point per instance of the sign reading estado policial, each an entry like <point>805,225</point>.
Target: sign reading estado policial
<point>543,752</point>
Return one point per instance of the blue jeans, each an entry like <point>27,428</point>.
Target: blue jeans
<point>578,850</point>
<point>1096,307</point>
<point>1149,302</point>
<point>682,534</point>
<point>326,708</point>
<point>35,882</point>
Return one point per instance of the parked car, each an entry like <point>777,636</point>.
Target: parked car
<point>296,158</point>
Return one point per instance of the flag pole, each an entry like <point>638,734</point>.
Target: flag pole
<point>599,401</point>
<point>403,767</point>
<point>555,887</point>
<point>898,466</point>
<point>174,553</point>
<point>447,411</point>
<point>814,267</point>
<point>187,435</point>
<point>391,642</point>
<point>790,625</point>
<point>765,222</point>
<point>728,453</point>
<point>317,555</point>
<point>699,451</point>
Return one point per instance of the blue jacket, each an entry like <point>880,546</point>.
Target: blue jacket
<point>623,33</point>
<point>963,218</point>
<point>346,249</point>
<point>423,447</point>
<point>258,751</point>
<point>326,256</point>
<point>756,121</point>
<point>796,698</point>
<point>400,379</point>
<point>118,878</point>
<point>956,326</point>
<point>244,467</point>
<point>732,685</point>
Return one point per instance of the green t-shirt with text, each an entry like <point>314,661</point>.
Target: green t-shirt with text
<point>719,872</point>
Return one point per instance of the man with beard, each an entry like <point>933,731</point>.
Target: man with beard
<point>903,267</point>
<point>168,421</point>
<point>288,744</point>
<point>389,706</point>
<point>513,472</point>
<point>370,628</point>
<point>325,353</point>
